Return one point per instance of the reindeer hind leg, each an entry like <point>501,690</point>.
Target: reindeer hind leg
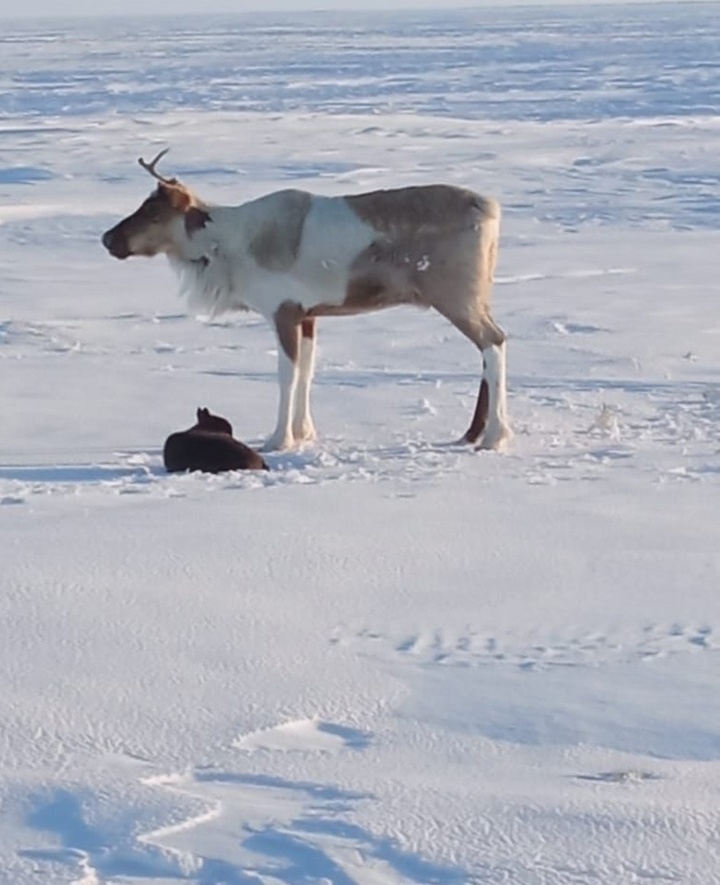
<point>497,431</point>
<point>479,418</point>
<point>489,427</point>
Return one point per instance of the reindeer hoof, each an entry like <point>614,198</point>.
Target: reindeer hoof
<point>305,433</point>
<point>495,439</point>
<point>276,443</point>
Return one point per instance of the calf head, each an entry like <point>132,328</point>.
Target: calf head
<point>212,423</point>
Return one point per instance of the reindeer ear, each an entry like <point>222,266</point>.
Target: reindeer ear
<point>195,219</point>
<point>201,413</point>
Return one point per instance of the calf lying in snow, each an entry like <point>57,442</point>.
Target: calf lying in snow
<point>293,256</point>
<point>209,446</point>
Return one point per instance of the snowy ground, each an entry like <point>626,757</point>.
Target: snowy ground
<point>386,661</point>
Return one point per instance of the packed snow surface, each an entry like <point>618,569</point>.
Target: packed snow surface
<point>389,659</point>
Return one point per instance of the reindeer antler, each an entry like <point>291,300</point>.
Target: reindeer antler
<point>150,167</point>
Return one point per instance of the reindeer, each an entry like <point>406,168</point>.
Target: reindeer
<point>209,446</point>
<point>293,256</point>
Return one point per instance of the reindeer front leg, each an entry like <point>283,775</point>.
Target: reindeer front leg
<point>287,320</point>
<point>303,427</point>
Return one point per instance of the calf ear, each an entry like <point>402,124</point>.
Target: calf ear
<point>195,219</point>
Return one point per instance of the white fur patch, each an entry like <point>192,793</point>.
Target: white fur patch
<point>208,285</point>
<point>226,277</point>
<point>497,432</point>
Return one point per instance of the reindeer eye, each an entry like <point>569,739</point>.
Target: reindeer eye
<point>152,214</point>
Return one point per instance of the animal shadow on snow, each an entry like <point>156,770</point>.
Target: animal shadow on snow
<point>76,473</point>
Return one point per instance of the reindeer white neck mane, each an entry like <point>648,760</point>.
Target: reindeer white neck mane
<point>208,280</point>
<point>225,259</point>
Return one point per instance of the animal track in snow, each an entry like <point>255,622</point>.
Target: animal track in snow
<point>664,640</point>
<point>470,648</point>
<point>22,338</point>
<point>621,776</point>
<point>664,432</point>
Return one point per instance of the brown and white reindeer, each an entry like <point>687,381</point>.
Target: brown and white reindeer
<point>293,256</point>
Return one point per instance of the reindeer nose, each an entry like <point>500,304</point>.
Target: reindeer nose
<point>115,244</point>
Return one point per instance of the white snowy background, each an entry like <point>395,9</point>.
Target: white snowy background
<point>387,660</point>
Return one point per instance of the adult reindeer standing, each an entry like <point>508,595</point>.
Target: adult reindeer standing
<point>293,256</point>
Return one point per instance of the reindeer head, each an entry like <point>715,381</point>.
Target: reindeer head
<point>170,213</point>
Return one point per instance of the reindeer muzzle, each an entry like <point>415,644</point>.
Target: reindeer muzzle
<point>115,243</point>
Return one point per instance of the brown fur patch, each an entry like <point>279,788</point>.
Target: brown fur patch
<point>366,293</point>
<point>175,195</point>
<point>195,219</point>
<point>421,209</point>
<point>288,319</point>
<point>428,252</point>
<point>276,245</point>
<point>479,419</point>
<point>307,327</point>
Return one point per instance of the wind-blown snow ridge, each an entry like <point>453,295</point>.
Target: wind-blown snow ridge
<point>289,829</point>
<point>303,735</point>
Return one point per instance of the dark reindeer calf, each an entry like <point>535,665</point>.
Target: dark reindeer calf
<point>209,446</point>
